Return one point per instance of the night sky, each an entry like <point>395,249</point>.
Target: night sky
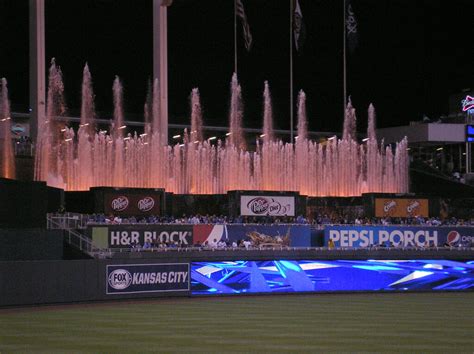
<point>412,55</point>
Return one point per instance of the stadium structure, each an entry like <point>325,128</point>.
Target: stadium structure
<point>90,213</point>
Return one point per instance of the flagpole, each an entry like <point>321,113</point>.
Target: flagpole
<point>235,36</point>
<point>291,71</point>
<point>344,57</point>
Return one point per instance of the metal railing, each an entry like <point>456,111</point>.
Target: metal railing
<point>72,236</point>
<point>109,252</point>
<point>66,221</point>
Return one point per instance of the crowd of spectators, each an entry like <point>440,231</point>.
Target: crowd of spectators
<point>158,245</point>
<point>319,219</point>
<point>193,219</point>
<point>415,220</point>
<point>248,243</point>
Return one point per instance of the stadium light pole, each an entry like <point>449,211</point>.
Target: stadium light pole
<point>160,59</point>
<point>37,66</point>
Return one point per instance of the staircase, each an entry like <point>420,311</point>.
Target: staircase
<point>72,224</point>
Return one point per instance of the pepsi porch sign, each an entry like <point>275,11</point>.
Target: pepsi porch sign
<point>259,205</point>
<point>398,236</point>
<point>147,278</point>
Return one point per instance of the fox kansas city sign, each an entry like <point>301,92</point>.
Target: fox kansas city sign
<point>147,278</point>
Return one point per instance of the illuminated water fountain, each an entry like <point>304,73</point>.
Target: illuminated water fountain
<point>335,167</point>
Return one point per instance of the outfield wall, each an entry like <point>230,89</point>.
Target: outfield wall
<point>31,244</point>
<point>43,282</point>
<point>151,275</point>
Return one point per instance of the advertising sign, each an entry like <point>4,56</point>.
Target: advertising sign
<point>20,129</point>
<point>281,276</point>
<point>259,205</point>
<point>126,236</point>
<point>398,236</point>
<point>260,235</point>
<point>401,207</point>
<point>467,104</point>
<point>147,278</point>
<point>132,204</point>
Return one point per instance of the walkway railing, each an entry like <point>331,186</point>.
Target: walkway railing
<point>65,221</point>
<point>70,224</point>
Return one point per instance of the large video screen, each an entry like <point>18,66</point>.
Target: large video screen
<point>280,276</point>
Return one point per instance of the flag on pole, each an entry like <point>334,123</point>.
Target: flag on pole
<point>299,30</point>
<point>239,8</point>
<point>351,27</point>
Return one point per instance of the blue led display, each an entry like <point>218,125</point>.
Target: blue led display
<point>277,276</point>
<point>469,133</point>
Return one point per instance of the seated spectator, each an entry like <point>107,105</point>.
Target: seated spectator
<point>300,219</point>
<point>195,220</point>
<point>247,244</point>
<point>331,245</point>
<point>136,246</point>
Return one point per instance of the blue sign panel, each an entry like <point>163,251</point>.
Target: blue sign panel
<point>398,236</point>
<point>279,276</point>
<point>286,235</point>
<point>289,233</point>
<point>147,278</point>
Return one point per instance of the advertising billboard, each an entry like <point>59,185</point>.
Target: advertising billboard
<point>401,207</point>
<point>122,203</point>
<point>282,276</point>
<point>126,236</point>
<point>118,236</point>
<point>147,278</point>
<point>398,236</point>
<point>265,205</point>
<point>260,235</point>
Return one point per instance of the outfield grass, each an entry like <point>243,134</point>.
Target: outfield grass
<point>407,323</point>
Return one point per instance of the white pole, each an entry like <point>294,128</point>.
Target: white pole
<point>160,61</point>
<point>235,36</point>
<point>468,148</point>
<point>291,71</point>
<point>467,157</point>
<point>37,67</point>
<point>344,57</point>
